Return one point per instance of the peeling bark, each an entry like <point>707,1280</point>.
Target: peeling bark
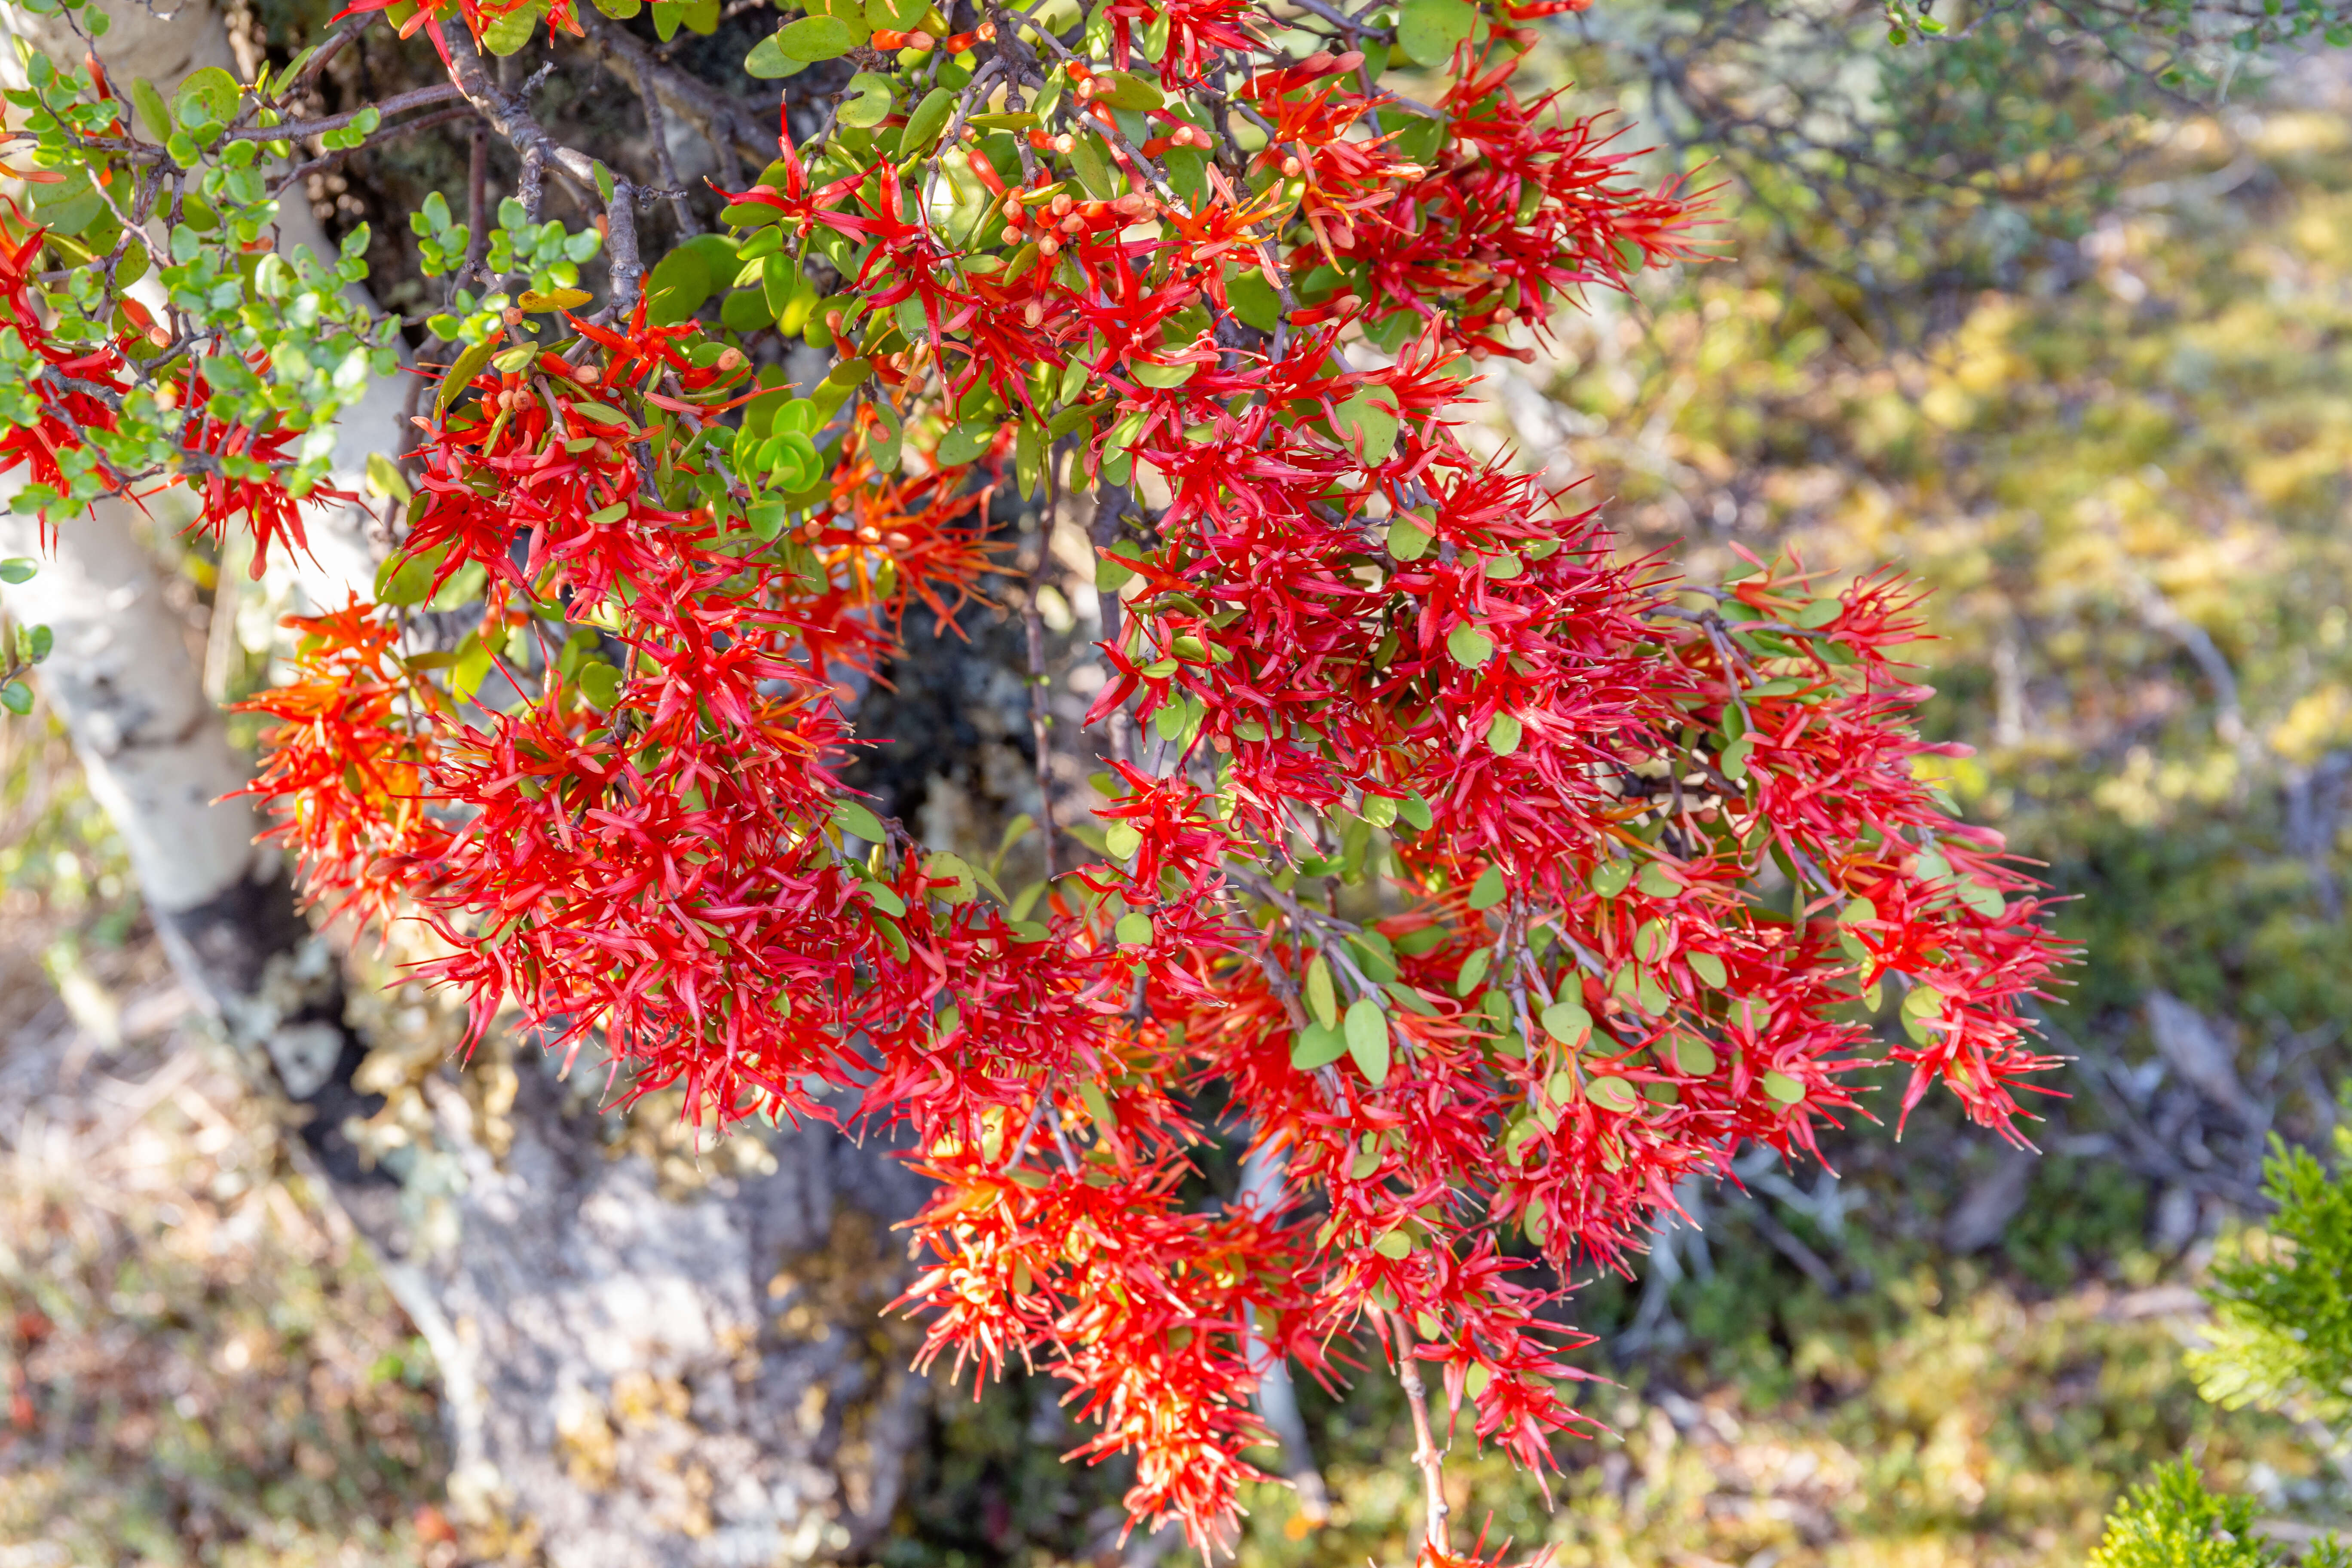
<point>632,1379</point>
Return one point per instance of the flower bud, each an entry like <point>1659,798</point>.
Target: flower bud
<point>1048,247</point>
<point>1062,204</point>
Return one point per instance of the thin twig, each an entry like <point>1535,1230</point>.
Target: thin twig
<point>1032,624</point>
<point>1426,1454</point>
<point>325,160</point>
<point>477,203</point>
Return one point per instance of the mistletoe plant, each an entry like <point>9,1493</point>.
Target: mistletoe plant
<point>1484,884</point>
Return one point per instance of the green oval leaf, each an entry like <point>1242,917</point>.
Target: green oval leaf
<point>1369,419</point>
<point>676,288</point>
<point>1162,375</point>
<point>1322,997</point>
<point>858,820</point>
<point>1470,647</point>
<point>1368,1039</point>
<point>767,60</point>
<point>1429,29</point>
<point>817,38</point>
<point>461,373</point>
<point>966,442</point>
<point>929,117</point>
<point>1614,1094</point>
<point>1318,1044</point>
<point>868,102</point>
<point>600,683</point>
<point>510,32</point>
<point>1569,1023</point>
<point>1128,89</point>
<point>1694,1057</point>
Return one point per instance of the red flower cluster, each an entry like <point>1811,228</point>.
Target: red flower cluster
<point>1492,885</point>
<point>347,763</point>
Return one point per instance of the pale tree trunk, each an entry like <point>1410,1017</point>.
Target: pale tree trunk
<point>634,1376</point>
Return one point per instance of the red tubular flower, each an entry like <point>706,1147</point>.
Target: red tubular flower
<point>345,771</point>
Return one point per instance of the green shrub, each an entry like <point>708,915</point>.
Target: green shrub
<point>2281,1330</point>
<point>2176,1522</point>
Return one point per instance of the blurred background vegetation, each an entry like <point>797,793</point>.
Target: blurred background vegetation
<point>2054,312</point>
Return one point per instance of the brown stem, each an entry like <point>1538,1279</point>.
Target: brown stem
<point>1108,501</point>
<point>1426,1453</point>
<point>510,118</point>
<point>477,202</point>
<point>1040,720</point>
<point>398,103</point>
<point>621,244</point>
<point>533,188</point>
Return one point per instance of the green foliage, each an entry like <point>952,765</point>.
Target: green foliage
<point>2174,1522</point>
<point>544,256</point>
<point>270,343</point>
<point>2281,1330</point>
